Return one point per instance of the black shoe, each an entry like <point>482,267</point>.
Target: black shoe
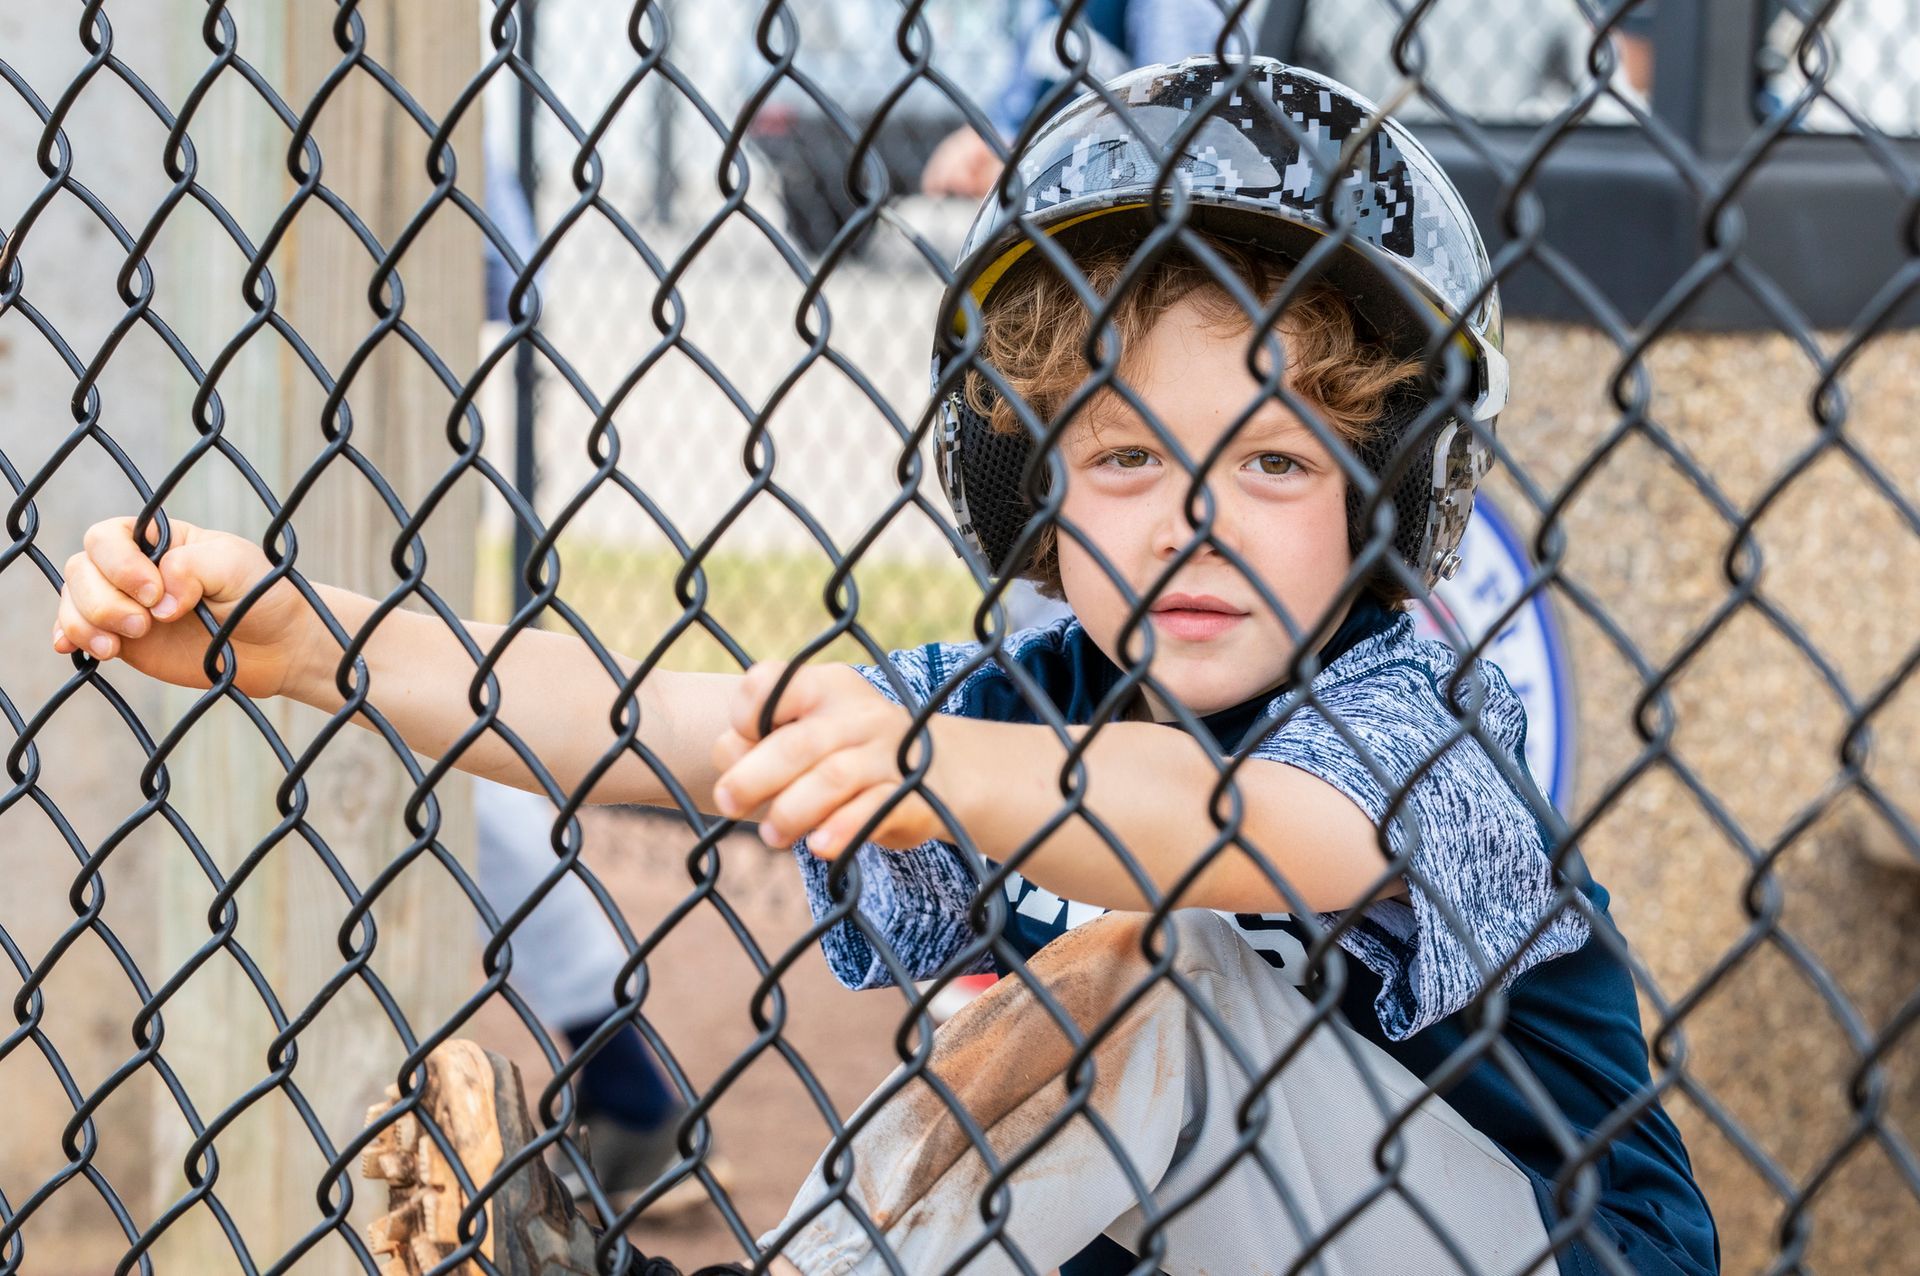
<point>627,1162</point>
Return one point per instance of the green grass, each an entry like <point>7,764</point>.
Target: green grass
<point>772,604</point>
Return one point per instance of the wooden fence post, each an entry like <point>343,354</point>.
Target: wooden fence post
<point>291,909</point>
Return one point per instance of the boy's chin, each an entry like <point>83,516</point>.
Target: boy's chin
<point>1208,692</point>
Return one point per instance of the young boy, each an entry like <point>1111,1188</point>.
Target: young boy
<point>1217,1087</point>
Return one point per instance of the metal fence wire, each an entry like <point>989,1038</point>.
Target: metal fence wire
<point>697,430</point>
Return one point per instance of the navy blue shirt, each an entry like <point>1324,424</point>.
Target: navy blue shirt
<point>1479,849</point>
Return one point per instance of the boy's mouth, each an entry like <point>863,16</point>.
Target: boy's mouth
<point>1194,617</point>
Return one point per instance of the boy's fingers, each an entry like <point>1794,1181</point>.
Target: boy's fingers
<point>208,570</point>
<point>807,692</point>
<point>81,634</point>
<point>766,768</point>
<point>755,687</point>
<point>807,803</point>
<point>182,530</point>
<point>728,748</point>
<point>836,832</point>
<point>95,600</point>
<point>181,587</point>
<point>121,563</point>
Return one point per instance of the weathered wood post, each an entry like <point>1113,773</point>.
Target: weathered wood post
<point>291,909</point>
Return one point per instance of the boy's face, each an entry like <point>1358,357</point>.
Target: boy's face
<point>1279,503</point>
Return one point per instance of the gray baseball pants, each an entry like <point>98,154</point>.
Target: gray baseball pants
<point>1169,1092</point>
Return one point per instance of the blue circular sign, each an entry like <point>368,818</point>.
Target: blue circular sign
<point>1494,569</point>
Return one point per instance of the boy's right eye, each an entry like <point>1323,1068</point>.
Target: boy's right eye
<point>1127,458</point>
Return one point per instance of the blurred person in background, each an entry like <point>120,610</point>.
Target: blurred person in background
<point>566,963</point>
<point>567,958</point>
<point>1125,34</point>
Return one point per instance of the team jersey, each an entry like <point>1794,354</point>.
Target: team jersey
<point>1388,714</point>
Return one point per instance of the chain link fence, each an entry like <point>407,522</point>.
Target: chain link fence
<point>741,303</point>
<point>241,285</point>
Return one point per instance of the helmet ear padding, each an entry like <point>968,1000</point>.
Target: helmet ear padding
<point>983,470</point>
<point>1376,451</point>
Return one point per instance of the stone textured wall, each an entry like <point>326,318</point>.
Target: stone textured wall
<point>1738,844</point>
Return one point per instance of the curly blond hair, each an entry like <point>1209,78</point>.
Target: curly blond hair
<point>1035,327</point>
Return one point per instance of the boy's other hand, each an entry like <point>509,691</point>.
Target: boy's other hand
<point>117,602</point>
<point>828,766</point>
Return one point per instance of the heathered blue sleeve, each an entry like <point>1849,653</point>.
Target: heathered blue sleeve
<point>914,901</point>
<point>1475,839</point>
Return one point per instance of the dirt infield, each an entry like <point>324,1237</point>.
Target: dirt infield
<point>765,1127</point>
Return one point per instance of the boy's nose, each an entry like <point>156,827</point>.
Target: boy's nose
<point>1174,530</point>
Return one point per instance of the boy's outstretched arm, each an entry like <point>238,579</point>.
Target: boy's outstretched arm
<point>555,694</point>
<point>831,764</point>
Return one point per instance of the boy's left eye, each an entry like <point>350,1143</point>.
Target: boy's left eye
<point>1275,463</point>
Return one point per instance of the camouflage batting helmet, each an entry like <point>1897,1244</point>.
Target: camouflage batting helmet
<point>1412,266</point>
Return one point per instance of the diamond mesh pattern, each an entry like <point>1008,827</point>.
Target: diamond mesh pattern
<point>665,277</point>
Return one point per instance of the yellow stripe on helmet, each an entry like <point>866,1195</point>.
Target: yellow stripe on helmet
<point>1002,264</point>
<point>984,283</point>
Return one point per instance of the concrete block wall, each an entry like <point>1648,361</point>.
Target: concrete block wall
<point>1815,886</point>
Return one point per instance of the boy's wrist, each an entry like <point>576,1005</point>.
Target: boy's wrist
<point>980,767</point>
<point>957,769</point>
<point>314,658</point>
